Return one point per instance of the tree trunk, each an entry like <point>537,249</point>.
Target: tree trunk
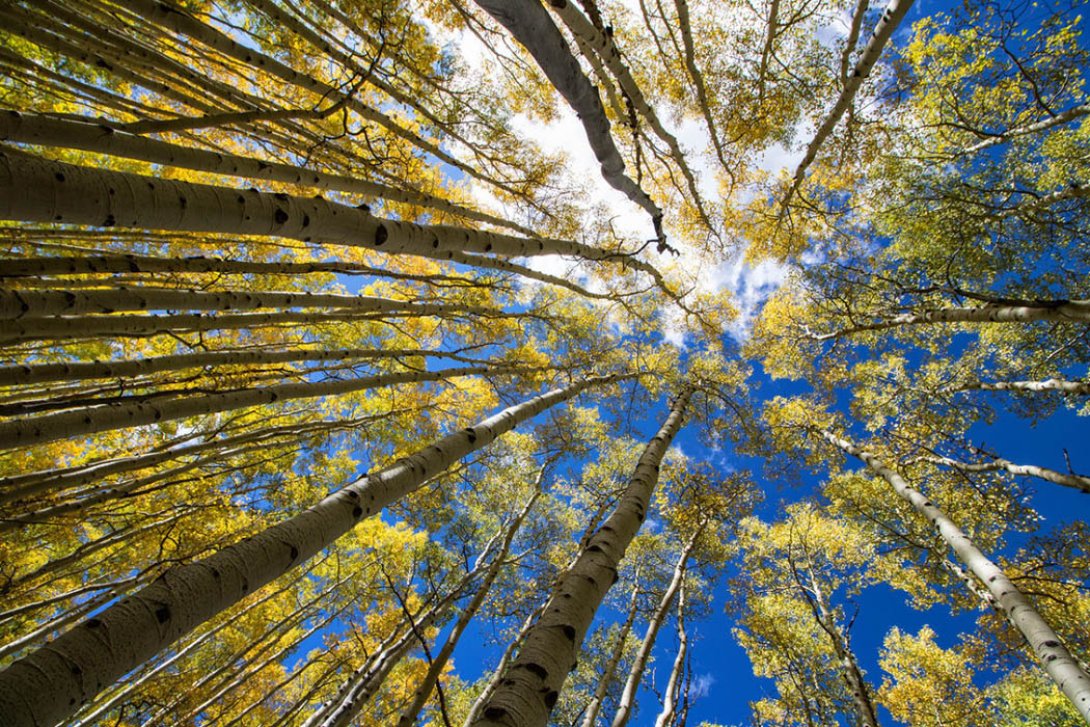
<point>104,138</point>
<point>49,685</point>
<point>1078,388</point>
<point>639,664</point>
<point>673,685</point>
<point>531,685</point>
<point>37,190</point>
<point>41,429</point>
<point>590,717</point>
<point>423,691</point>
<point>531,26</point>
<point>1045,643</point>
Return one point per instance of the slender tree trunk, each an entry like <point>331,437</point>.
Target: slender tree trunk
<point>531,685</point>
<point>51,683</point>
<point>365,681</point>
<point>41,303</point>
<point>1059,311</point>
<point>427,684</point>
<point>38,190</point>
<point>606,49</point>
<point>673,685</point>
<point>530,24</point>
<point>78,371</point>
<point>1078,388</point>
<point>590,716</point>
<point>104,138</point>
<point>1078,482</point>
<point>39,430</point>
<point>892,16</point>
<point>639,664</point>
<point>1076,112</point>
<point>1045,643</point>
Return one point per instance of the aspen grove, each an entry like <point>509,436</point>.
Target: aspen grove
<point>512,363</point>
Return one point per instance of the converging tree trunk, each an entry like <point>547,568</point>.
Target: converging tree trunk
<point>531,684</point>
<point>1019,610</point>
<point>51,683</point>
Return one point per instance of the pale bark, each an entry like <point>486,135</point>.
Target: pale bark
<point>639,665</point>
<point>133,684</point>
<point>141,326</point>
<point>1076,481</point>
<point>1058,311</point>
<point>531,685</point>
<point>50,684</point>
<point>1078,388</point>
<point>19,487</point>
<point>673,684</point>
<point>15,304</point>
<point>1076,112</point>
<point>89,420</point>
<point>607,50</point>
<point>78,371</point>
<point>104,137</point>
<point>697,77</point>
<point>590,716</point>
<point>427,684</point>
<point>892,16</point>
<point>37,190</point>
<point>1046,645</point>
<point>531,26</point>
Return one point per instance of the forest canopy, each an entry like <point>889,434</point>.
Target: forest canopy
<point>511,363</point>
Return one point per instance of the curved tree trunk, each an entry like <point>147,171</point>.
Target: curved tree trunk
<point>673,685</point>
<point>590,716</point>
<point>530,686</point>
<point>1019,610</point>
<point>51,683</point>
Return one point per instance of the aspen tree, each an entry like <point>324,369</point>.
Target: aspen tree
<point>1046,645</point>
<point>531,683</point>
<point>45,685</point>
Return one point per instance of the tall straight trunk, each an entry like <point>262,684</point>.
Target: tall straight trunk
<point>41,429</point>
<point>1057,311</point>
<point>101,137</point>
<point>124,325</point>
<point>49,685</point>
<point>32,483</point>
<point>27,374</point>
<point>674,685</point>
<point>590,716</point>
<point>41,303</point>
<point>136,681</point>
<point>37,190</point>
<point>639,664</point>
<point>1078,482</point>
<point>1078,388</point>
<point>531,685</point>
<point>892,16</point>
<point>530,24</point>
<point>1019,610</point>
<point>427,684</point>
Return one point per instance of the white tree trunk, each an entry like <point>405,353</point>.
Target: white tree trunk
<point>639,664</point>
<point>51,683</point>
<point>1045,643</point>
<point>531,685</point>
<point>89,420</point>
